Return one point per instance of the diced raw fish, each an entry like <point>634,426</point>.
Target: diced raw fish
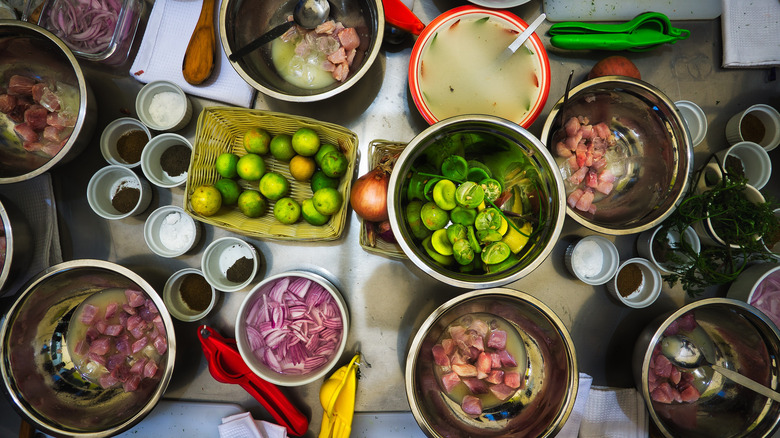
<point>675,375</point>
<point>480,327</point>
<point>327,66</point>
<point>135,298</point>
<point>495,377</point>
<point>573,142</point>
<point>341,72</point>
<point>592,179</point>
<point>476,340</point>
<point>466,370</point>
<point>602,130</point>
<point>599,164</point>
<point>100,346</point>
<point>138,367</point>
<point>91,334</point>
<point>26,132</point>
<point>134,321</point>
<point>338,57</point>
<point>151,306</point>
<point>61,119</point>
<point>440,356</point>
<point>502,391</point>
<point>132,383</point>
<point>582,158</point>
<point>471,405</point>
<point>689,394</point>
<point>111,309</point>
<point>604,187</point>
<point>572,162</point>
<point>97,358</point>
<point>572,126</point>
<point>497,339</point>
<point>512,379</point>
<point>113,330</point>
<point>159,324</point>
<point>81,347</point>
<point>150,369</point>
<point>145,314</point>
<point>457,332</point>
<point>35,117</point>
<point>101,325</point>
<point>160,344</point>
<point>562,150</point>
<point>662,366</point>
<point>7,103</point>
<point>326,28</point>
<point>495,360</point>
<point>107,381</point>
<point>574,197</point>
<point>114,360</point>
<point>507,359</point>
<point>584,203</point>
<point>139,331</point>
<point>349,38</point>
<point>457,359</point>
<point>351,56</point>
<point>579,175</point>
<point>476,385</point>
<point>20,85</point>
<point>586,131</point>
<point>484,364</point>
<point>88,314</point>
<point>672,328</point>
<point>450,380</point>
<point>139,345</point>
<point>449,346</point>
<point>121,372</point>
<point>122,344</point>
<point>54,134</point>
<point>661,396</point>
<point>688,322</point>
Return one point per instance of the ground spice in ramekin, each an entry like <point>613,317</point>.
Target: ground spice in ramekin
<point>175,160</point>
<point>131,144</point>
<point>195,292</point>
<point>629,279</point>
<point>125,198</point>
<point>240,270</point>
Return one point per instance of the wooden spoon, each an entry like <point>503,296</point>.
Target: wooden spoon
<point>199,57</point>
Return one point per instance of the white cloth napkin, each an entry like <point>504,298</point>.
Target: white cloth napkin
<point>161,52</point>
<point>572,427</point>
<point>244,426</point>
<point>614,413</point>
<point>750,33</point>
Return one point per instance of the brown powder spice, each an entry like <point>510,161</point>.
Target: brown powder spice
<point>131,144</point>
<point>175,160</point>
<point>195,292</point>
<point>125,198</point>
<point>629,279</point>
<point>240,271</point>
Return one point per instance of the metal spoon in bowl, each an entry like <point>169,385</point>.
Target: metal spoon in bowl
<point>520,40</point>
<point>685,354</point>
<point>308,14</point>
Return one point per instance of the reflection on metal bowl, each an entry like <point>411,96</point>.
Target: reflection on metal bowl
<point>242,21</point>
<point>38,370</point>
<point>34,52</point>
<point>651,134</point>
<point>539,409</point>
<point>19,244</point>
<point>743,340</point>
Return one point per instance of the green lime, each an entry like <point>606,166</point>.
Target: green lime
<point>463,215</point>
<point>488,219</point>
<point>455,167</point>
<point>428,188</point>
<point>287,211</point>
<point>334,164</point>
<point>462,252</point>
<point>492,188</point>
<point>440,243</point>
<point>456,232</point>
<point>311,215</point>
<point>306,142</point>
<point>495,252</point>
<point>471,236</point>
<point>274,186</point>
<point>319,180</point>
<point>229,189</point>
<point>492,268</point>
<point>477,174</point>
<point>257,141</point>
<point>252,203</point>
<point>281,147</point>
<point>205,200</point>
<point>488,236</point>
<point>469,194</point>
<point>413,219</point>
<point>226,165</point>
<point>250,167</point>
<point>474,164</point>
<point>444,194</point>
<point>324,149</point>
<point>432,253</point>
<point>327,200</point>
<point>433,217</point>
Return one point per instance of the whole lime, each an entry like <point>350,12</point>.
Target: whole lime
<point>250,167</point>
<point>229,189</point>
<point>324,149</point>
<point>274,186</point>
<point>327,200</point>
<point>257,141</point>
<point>311,215</point>
<point>306,142</point>
<point>320,180</point>
<point>302,168</point>
<point>226,165</point>
<point>252,203</point>
<point>205,200</point>
<point>281,147</point>
<point>287,211</point>
<point>334,164</point>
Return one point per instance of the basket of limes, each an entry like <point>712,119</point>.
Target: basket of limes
<point>270,175</point>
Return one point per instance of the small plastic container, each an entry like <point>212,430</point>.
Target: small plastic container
<point>109,182</point>
<point>168,112</point>
<point>151,160</point>
<point>598,247</point>
<point>170,232</point>
<point>755,161</point>
<point>695,119</point>
<point>646,249</point>
<point>111,135</point>
<point>177,303</point>
<point>759,123</point>
<point>220,256</point>
<point>647,290</point>
<point>113,52</point>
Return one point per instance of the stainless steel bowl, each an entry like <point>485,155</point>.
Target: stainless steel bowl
<point>746,341</point>
<point>38,374</point>
<point>242,21</point>
<point>659,160</point>
<point>33,51</point>
<point>19,244</point>
<point>516,142</point>
<point>540,409</point>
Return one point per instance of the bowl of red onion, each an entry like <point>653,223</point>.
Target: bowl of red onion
<point>759,286</point>
<point>87,349</point>
<point>292,328</point>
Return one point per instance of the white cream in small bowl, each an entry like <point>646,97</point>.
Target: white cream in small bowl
<point>592,259</point>
<point>163,106</point>
<point>170,231</point>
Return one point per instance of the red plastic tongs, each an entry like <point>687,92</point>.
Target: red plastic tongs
<point>227,366</point>
<point>397,14</point>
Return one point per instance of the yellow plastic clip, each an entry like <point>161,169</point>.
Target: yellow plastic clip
<point>337,397</point>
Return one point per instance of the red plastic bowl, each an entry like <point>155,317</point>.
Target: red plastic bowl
<point>453,16</point>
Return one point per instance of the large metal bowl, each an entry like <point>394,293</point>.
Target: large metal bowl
<point>540,409</point>
<point>241,21</point>
<point>38,374</point>
<point>18,246</point>
<point>746,341</point>
<point>35,52</point>
<point>659,159</point>
<point>515,142</point>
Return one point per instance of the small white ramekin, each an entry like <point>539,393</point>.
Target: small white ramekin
<point>144,100</point>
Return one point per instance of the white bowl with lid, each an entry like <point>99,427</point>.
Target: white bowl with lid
<point>163,106</point>
<point>592,259</point>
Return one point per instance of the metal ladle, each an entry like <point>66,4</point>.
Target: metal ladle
<point>685,354</point>
<point>308,14</point>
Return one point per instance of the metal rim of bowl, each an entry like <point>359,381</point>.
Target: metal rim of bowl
<point>685,147</point>
<point>372,54</point>
<point>417,340</point>
<point>457,13</point>
<point>85,95</point>
<point>396,213</point>
<point>19,242</point>
<point>644,353</point>
<point>146,287</point>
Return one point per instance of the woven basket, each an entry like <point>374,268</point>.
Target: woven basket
<point>377,150</point>
<point>221,129</point>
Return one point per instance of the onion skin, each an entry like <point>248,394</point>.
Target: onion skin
<point>368,195</point>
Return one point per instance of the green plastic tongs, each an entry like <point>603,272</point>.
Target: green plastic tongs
<point>644,32</point>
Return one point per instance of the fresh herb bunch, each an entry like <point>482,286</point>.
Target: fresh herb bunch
<point>735,219</point>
